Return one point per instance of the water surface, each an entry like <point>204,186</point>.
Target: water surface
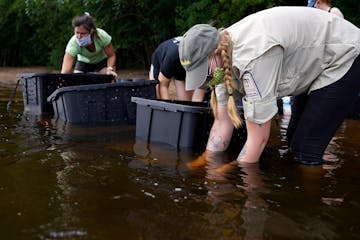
<point>62,181</point>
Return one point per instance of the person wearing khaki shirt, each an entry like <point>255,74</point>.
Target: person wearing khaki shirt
<point>277,52</point>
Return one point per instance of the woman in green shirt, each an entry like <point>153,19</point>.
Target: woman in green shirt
<point>91,47</point>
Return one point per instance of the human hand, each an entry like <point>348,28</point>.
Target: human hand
<point>208,158</point>
<point>199,162</point>
<point>251,173</point>
<point>210,162</point>
<point>111,72</point>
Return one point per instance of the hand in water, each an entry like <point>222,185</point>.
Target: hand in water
<point>221,169</point>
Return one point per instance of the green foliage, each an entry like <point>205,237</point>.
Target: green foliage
<point>219,13</point>
<point>233,11</point>
<point>350,9</point>
<point>14,30</point>
<point>190,13</point>
<point>35,32</point>
<point>138,27</point>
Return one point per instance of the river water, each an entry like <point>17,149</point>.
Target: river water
<point>63,181</point>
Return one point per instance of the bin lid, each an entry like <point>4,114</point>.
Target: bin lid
<point>173,105</point>
<point>100,86</point>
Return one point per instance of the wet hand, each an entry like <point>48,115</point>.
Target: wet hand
<point>200,161</point>
<point>111,72</point>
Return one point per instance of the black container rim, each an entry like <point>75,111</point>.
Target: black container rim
<point>43,74</point>
<point>100,86</point>
<point>173,105</point>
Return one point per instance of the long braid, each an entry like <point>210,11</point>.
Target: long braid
<point>225,50</point>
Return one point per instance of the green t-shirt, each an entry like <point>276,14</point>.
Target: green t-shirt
<point>85,55</point>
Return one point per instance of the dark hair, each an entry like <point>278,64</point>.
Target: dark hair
<point>86,21</point>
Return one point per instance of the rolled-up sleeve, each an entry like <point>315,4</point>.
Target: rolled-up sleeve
<point>222,95</point>
<point>259,111</point>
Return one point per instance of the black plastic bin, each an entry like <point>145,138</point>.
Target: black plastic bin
<point>108,103</point>
<point>181,124</point>
<point>37,87</point>
<point>178,123</point>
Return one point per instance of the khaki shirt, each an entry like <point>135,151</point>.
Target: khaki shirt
<point>318,48</point>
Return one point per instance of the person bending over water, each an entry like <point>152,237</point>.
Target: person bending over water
<point>277,52</point>
<point>91,47</point>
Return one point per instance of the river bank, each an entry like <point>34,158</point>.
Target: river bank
<point>8,74</point>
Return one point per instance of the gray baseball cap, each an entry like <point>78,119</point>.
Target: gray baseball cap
<point>194,49</point>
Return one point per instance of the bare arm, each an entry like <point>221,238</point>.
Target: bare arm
<point>111,59</point>
<point>221,131</point>
<point>164,84</point>
<point>257,137</point>
<point>198,95</point>
<point>68,62</point>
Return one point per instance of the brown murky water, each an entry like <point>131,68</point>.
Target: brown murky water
<point>61,181</point>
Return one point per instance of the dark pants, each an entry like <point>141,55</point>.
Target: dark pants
<point>316,117</point>
<point>87,67</point>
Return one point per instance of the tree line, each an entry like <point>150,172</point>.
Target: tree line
<point>35,32</point>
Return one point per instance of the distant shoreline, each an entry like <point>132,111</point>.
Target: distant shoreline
<point>8,74</point>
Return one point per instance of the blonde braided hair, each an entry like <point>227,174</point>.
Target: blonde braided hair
<point>225,49</point>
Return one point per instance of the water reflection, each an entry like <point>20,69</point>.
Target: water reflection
<point>236,189</point>
<point>63,181</point>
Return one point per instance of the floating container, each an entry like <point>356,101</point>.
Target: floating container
<point>181,124</point>
<point>108,103</point>
<point>37,87</point>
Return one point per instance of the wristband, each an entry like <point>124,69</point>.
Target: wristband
<point>110,68</point>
